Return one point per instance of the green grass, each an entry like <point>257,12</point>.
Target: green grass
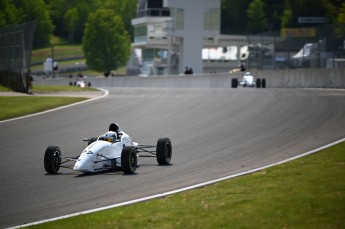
<point>16,106</point>
<point>60,51</point>
<point>5,89</point>
<point>41,88</point>
<point>305,193</point>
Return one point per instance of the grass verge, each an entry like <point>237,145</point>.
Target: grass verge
<point>40,88</point>
<point>16,106</point>
<point>305,193</point>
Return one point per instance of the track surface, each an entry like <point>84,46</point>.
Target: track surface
<point>214,133</point>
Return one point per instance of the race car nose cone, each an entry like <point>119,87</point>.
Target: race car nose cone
<point>84,164</point>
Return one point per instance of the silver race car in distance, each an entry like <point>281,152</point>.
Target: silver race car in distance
<point>113,150</point>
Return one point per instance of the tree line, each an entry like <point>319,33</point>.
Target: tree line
<point>104,27</point>
<point>257,16</point>
<point>67,18</point>
<point>62,18</point>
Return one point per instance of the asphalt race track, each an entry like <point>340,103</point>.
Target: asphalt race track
<point>215,132</point>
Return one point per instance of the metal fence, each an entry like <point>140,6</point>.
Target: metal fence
<point>308,47</point>
<point>15,55</point>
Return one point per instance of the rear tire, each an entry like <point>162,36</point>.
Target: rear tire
<point>163,151</point>
<point>52,159</point>
<point>263,83</point>
<point>129,160</point>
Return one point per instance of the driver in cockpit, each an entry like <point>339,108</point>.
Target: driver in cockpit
<point>116,128</point>
<point>114,133</point>
<point>110,136</point>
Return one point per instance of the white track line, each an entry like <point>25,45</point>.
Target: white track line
<point>106,93</point>
<point>179,190</point>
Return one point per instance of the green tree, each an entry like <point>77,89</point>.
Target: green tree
<point>257,21</point>
<point>106,43</point>
<point>127,9</point>
<point>233,16</point>
<point>340,30</point>
<point>307,8</point>
<point>341,15</point>
<point>57,10</point>
<point>9,15</point>
<point>71,18</point>
<point>37,10</point>
<point>274,10</point>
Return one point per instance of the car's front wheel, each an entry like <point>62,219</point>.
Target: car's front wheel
<point>129,160</point>
<point>163,151</point>
<point>52,159</point>
<point>234,82</point>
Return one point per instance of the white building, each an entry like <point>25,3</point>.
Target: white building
<point>170,35</point>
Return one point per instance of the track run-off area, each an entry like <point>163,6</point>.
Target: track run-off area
<point>215,132</point>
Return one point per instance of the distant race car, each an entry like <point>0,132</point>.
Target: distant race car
<point>113,150</point>
<point>80,83</point>
<point>248,81</point>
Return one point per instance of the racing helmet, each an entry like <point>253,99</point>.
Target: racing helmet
<point>110,136</point>
<point>114,127</point>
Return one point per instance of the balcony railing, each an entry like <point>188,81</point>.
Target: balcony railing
<point>154,12</point>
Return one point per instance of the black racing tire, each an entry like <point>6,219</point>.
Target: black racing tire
<point>70,84</point>
<point>164,151</point>
<point>263,83</point>
<point>89,84</point>
<point>258,82</point>
<point>129,160</point>
<point>52,159</point>
<point>234,82</point>
<point>91,140</point>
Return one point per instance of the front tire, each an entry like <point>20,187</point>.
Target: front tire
<point>258,82</point>
<point>129,160</point>
<point>234,82</point>
<point>163,151</point>
<point>52,159</point>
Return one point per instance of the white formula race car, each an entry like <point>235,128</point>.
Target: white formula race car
<point>113,150</point>
<point>248,81</point>
<point>80,83</point>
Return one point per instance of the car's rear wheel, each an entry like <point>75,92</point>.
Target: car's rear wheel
<point>52,159</point>
<point>163,151</point>
<point>129,160</point>
<point>263,83</point>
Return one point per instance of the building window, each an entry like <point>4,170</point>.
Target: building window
<point>212,19</point>
<point>140,33</point>
<point>178,15</point>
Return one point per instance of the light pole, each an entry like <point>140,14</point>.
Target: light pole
<point>52,47</point>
